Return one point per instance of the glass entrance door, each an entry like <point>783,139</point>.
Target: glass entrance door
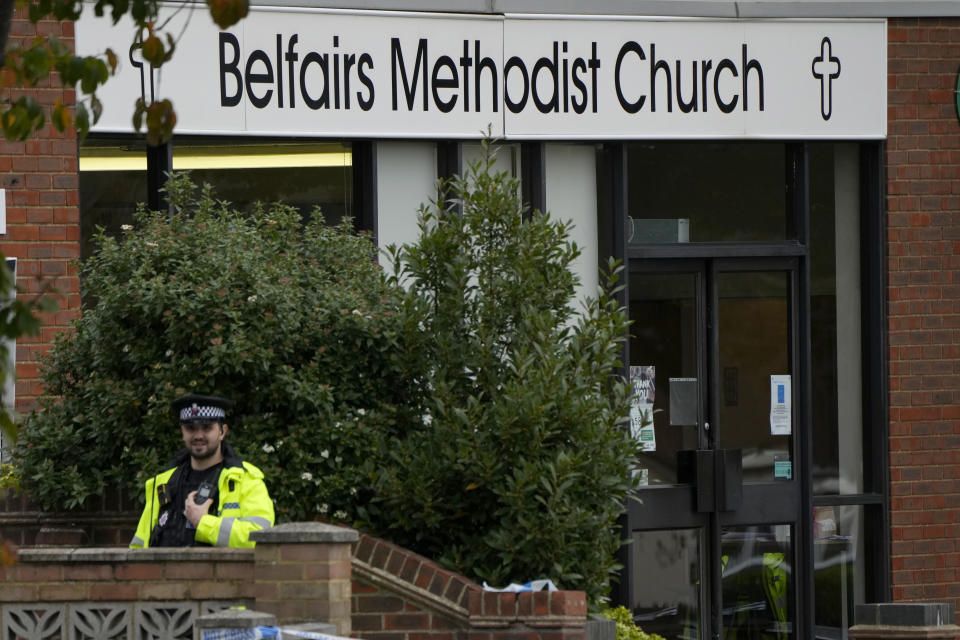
<point>712,364</point>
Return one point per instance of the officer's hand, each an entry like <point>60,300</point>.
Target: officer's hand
<point>195,511</point>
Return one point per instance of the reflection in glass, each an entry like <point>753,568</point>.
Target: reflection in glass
<point>835,317</point>
<point>757,582</point>
<point>706,192</point>
<point>113,178</point>
<point>663,308</point>
<point>838,568</point>
<point>667,571</point>
<point>754,345</point>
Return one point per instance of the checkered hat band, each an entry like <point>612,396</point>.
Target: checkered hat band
<point>197,412</point>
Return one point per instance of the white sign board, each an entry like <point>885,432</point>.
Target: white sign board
<point>376,74</point>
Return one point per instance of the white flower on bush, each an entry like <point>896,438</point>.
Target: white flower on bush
<point>268,448</point>
<point>357,312</point>
<point>426,419</point>
<point>338,459</point>
<point>340,515</point>
<point>361,412</point>
<point>353,491</point>
<point>127,227</point>
<point>306,475</point>
<point>252,298</point>
<point>324,508</point>
<point>325,453</point>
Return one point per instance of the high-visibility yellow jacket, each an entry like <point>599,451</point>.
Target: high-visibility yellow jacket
<point>244,506</point>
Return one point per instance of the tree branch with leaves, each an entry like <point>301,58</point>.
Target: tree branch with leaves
<point>25,65</point>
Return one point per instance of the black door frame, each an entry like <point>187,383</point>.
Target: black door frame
<point>774,503</point>
<point>612,176</point>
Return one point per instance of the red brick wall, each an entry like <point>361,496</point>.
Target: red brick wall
<point>399,595</point>
<point>923,202</point>
<point>106,522</point>
<point>42,193</point>
<point>387,592</point>
<point>117,575</point>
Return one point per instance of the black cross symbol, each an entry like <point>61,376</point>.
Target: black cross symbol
<point>138,62</point>
<point>826,68</point>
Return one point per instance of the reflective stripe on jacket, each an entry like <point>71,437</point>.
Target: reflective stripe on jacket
<point>244,507</point>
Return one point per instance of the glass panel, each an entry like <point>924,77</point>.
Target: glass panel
<point>838,568</point>
<point>731,191</point>
<point>755,408</point>
<point>835,347</point>
<point>663,359</point>
<point>571,189</point>
<point>667,572</point>
<point>407,179</point>
<point>757,582</point>
<point>113,177</point>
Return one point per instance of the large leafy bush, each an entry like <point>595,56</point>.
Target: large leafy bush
<point>463,407</point>
<point>522,467</point>
<point>291,320</point>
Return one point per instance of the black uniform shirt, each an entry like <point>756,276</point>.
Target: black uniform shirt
<point>173,529</point>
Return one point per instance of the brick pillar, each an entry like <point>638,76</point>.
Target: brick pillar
<point>302,573</point>
<point>41,185</point>
<point>923,227</point>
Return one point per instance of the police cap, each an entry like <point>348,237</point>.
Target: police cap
<point>197,408</point>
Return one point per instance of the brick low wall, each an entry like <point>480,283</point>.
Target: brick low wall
<point>399,595</point>
<point>97,575</point>
<point>99,593</point>
<point>106,522</point>
<point>299,573</point>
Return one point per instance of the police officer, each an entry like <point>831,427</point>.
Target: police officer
<point>206,495</point>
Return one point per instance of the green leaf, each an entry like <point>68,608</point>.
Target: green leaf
<point>82,121</point>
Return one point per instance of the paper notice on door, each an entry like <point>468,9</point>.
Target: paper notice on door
<point>644,382</point>
<point>780,409</point>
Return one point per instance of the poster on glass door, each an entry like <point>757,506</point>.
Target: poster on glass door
<point>643,380</point>
<point>780,405</point>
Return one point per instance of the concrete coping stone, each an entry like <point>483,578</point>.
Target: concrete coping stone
<point>304,533</point>
<point>235,619</point>
<point>908,614</point>
<point>325,628</point>
<point>113,555</point>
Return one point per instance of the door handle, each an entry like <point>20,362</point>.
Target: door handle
<point>730,477</point>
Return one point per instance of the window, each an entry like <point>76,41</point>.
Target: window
<point>835,319</point>
<point>706,192</point>
<point>113,176</point>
